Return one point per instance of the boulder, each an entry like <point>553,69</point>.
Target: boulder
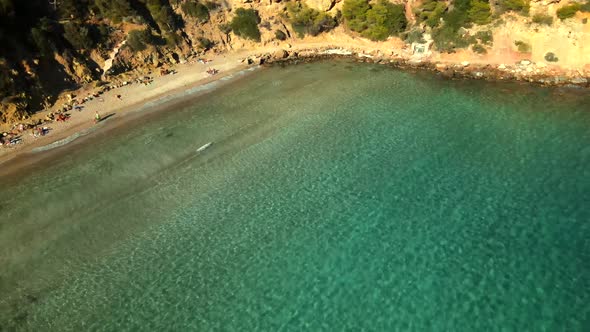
<point>502,66</point>
<point>280,54</point>
<point>579,80</point>
<point>525,62</point>
<point>441,66</point>
<point>465,63</point>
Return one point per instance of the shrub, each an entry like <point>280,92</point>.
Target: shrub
<point>306,20</point>
<point>205,43</point>
<point>138,40</point>
<point>550,57</point>
<point>568,11</point>
<point>480,13</point>
<point>519,6</point>
<point>376,22</point>
<point>485,37</point>
<point>414,36</point>
<point>522,46</point>
<point>477,48</point>
<point>542,19</point>
<point>78,35</point>
<point>280,35</point>
<point>196,10</point>
<point>447,40</point>
<point>245,24</point>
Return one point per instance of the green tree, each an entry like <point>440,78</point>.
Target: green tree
<point>245,24</point>
<point>384,19</point>
<point>42,34</point>
<point>480,13</point>
<point>306,20</point>
<point>431,11</point>
<point>355,14</point>
<point>519,6</point>
<point>568,11</point>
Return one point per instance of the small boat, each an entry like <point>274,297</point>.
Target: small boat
<point>204,147</point>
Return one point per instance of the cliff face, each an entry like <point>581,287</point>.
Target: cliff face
<point>64,46</point>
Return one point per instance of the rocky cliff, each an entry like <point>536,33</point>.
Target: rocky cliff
<point>65,44</point>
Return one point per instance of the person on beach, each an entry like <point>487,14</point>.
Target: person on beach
<point>96,117</point>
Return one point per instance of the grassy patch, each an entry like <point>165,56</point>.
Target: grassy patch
<point>543,19</point>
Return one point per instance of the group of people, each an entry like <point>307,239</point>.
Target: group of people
<point>14,136</point>
<point>212,71</point>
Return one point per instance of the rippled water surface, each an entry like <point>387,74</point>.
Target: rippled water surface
<point>335,196</point>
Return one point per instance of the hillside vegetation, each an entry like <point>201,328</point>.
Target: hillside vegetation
<point>49,46</point>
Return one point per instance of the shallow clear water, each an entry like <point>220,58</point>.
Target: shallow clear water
<point>336,196</point>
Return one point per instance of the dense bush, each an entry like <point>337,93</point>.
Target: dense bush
<point>568,11</point>
<point>138,40</point>
<point>280,35</point>
<point>477,48</point>
<point>480,13</point>
<point>543,19</point>
<point>245,24</point>
<point>306,20</point>
<point>519,6</point>
<point>522,46</point>
<point>550,57</point>
<point>196,10</point>
<point>376,22</point>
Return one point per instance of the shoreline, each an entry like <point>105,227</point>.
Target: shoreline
<point>192,77</point>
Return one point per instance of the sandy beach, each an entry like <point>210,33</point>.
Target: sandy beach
<point>193,74</point>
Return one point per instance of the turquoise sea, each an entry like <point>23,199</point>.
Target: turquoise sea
<point>335,196</point>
